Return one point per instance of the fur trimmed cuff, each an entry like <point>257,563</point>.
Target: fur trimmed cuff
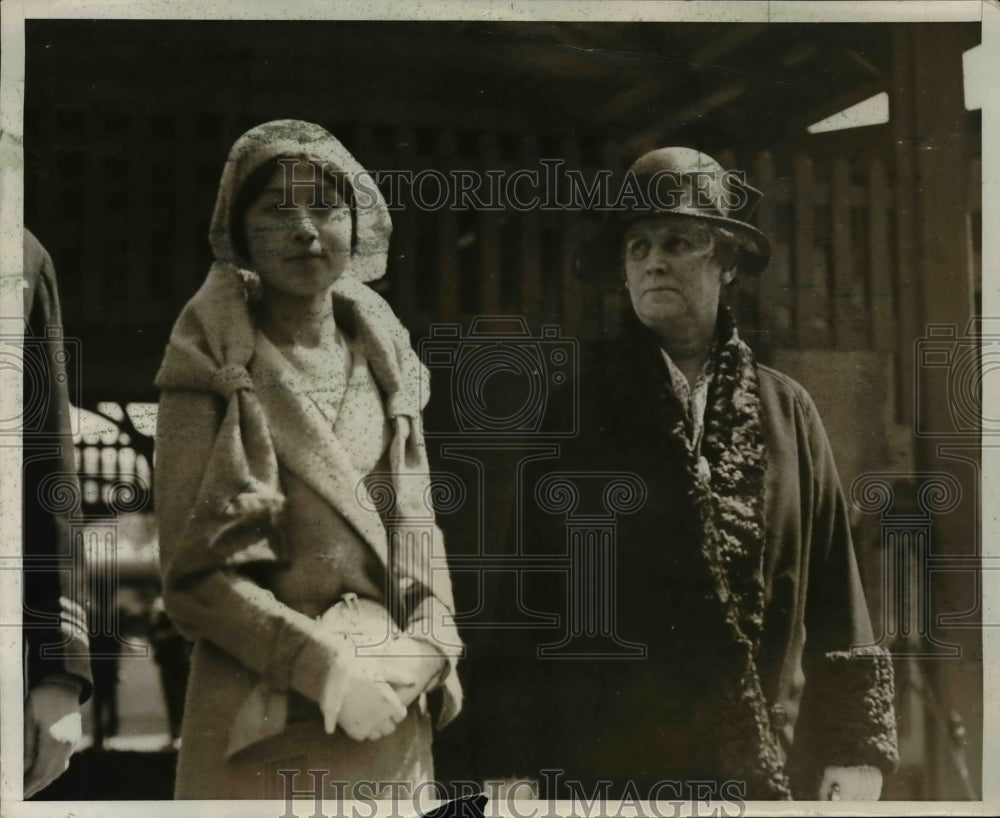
<point>857,720</point>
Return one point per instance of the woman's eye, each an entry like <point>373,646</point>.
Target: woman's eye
<point>275,205</point>
<point>679,245</point>
<point>638,249</point>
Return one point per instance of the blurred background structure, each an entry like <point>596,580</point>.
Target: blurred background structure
<point>875,226</point>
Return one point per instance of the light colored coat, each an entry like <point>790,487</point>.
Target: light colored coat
<point>270,511</point>
<point>244,632</point>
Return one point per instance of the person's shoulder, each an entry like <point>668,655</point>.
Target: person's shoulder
<point>36,257</point>
<point>778,387</point>
<point>779,380</point>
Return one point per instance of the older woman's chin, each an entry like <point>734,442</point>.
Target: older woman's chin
<point>659,311</point>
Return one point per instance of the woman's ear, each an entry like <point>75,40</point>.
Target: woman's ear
<point>728,276</point>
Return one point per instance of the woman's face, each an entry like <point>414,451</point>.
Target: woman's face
<point>298,232</point>
<point>671,272</point>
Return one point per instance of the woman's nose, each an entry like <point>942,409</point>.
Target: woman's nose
<point>304,227</point>
<point>657,260</point>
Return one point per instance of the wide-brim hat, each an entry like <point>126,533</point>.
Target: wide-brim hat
<point>675,182</point>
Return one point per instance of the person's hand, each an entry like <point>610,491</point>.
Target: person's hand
<point>368,708</point>
<point>52,730</point>
<point>862,783</point>
<point>408,656</point>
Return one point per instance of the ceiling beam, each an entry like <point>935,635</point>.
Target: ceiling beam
<point>725,44</point>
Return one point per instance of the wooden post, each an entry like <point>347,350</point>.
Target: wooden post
<point>932,157</point>
<point>881,293</point>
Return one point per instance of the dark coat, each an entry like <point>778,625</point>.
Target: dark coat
<point>659,717</point>
<point>55,616</point>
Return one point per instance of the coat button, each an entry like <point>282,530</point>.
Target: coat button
<point>779,717</point>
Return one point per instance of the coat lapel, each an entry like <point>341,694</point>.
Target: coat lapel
<point>306,445</point>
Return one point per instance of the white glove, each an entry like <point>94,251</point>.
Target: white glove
<point>368,708</point>
<point>406,655</point>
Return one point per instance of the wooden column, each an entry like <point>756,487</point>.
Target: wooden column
<point>931,164</point>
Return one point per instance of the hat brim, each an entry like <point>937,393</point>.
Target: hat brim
<point>599,259</point>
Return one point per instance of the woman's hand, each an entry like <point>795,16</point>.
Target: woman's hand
<point>368,708</point>
<point>52,729</point>
<point>408,656</point>
<point>862,783</point>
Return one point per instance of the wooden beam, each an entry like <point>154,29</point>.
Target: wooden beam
<point>731,40</point>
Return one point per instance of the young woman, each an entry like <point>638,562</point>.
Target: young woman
<point>297,548</point>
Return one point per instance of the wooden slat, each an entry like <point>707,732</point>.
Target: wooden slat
<point>881,294</point>
<point>774,291</point>
<point>531,272</point>
<point>810,294</point>
<point>489,229</point>
<point>754,328</point>
<point>570,286</point>
<point>447,261</point>
<point>140,207</point>
<point>186,240</point>
<point>608,305</point>
<point>847,323</point>
<point>91,267</point>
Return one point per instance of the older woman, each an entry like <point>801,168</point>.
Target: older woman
<point>296,546</point>
<point>737,576</point>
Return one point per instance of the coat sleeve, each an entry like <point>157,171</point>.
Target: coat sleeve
<point>847,716</point>
<point>428,604</point>
<point>225,606</point>
<point>55,606</point>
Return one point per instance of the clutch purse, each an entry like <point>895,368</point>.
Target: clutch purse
<point>363,621</point>
<point>366,627</point>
